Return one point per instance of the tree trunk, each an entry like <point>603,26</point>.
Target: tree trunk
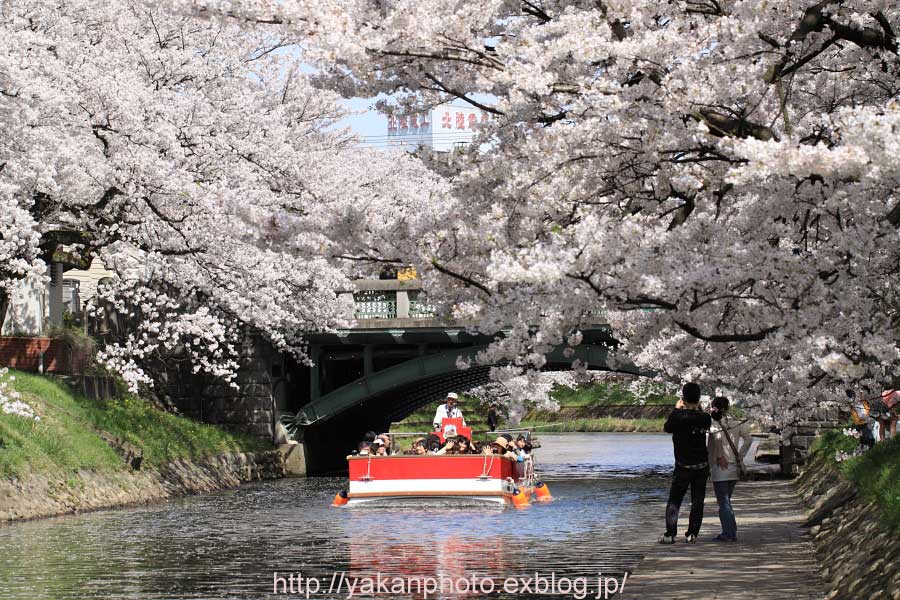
<point>4,305</point>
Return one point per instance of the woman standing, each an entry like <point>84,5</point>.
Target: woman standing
<point>890,399</point>
<point>728,444</point>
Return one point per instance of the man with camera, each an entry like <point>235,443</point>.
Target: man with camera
<point>688,425</point>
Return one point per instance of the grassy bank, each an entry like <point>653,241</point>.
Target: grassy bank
<point>65,438</point>
<point>876,473</point>
<point>595,395</point>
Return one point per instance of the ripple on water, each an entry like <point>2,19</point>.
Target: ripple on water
<point>608,490</point>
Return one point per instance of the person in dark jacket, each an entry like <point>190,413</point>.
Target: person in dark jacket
<point>493,417</point>
<point>688,426</point>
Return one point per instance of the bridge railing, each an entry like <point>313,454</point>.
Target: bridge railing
<point>382,299</point>
<point>378,303</point>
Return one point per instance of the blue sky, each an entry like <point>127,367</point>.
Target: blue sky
<point>370,122</point>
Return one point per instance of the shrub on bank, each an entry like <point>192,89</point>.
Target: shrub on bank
<point>605,394</point>
<point>876,472</point>
<point>66,437</point>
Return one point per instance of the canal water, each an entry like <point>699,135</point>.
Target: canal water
<point>609,490</point>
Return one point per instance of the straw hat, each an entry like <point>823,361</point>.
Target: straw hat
<point>501,441</point>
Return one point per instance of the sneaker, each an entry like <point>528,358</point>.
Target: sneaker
<point>667,539</point>
<point>690,538</point>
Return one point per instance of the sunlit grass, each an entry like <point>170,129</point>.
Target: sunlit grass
<point>876,473</point>
<point>66,437</point>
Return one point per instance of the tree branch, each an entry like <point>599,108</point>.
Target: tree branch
<point>757,336</point>
<point>447,54</point>
<point>462,96</point>
<point>724,126</point>
<point>468,281</point>
<point>893,217</point>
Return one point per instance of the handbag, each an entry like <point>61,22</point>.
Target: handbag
<point>743,474</point>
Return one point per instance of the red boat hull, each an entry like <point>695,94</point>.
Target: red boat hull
<point>475,477</point>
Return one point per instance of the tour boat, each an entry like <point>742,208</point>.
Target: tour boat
<point>467,478</point>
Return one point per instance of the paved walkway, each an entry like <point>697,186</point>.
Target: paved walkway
<point>773,558</point>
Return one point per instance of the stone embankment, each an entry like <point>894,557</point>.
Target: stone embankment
<point>45,496</point>
<point>859,555</point>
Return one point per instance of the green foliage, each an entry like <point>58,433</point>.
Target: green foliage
<point>605,394</point>
<point>81,346</point>
<point>876,473</point>
<point>594,394</point>
<point>65,439</point>
<point>833,441</point>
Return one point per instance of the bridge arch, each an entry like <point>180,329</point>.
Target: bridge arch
<point>336,421</point>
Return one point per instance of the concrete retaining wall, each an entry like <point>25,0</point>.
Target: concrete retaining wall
<point>248,409</point>
<point>59,494</point>
<point>860,556</point>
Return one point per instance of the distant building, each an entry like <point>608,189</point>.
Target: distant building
<point>35,305</point>
<point>442,128</point>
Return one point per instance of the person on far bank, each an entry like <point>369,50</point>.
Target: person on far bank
<point>688,426</point>
<point>726,435</point>
<point>493,417</point>
<point>448,410</point>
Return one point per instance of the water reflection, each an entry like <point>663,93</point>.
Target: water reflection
<point>607,488</point>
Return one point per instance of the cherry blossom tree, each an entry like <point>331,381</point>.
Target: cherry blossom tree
<point>19,248</point>
<point>194,158</point>
<point>716,178</point>
<point>11,402</point>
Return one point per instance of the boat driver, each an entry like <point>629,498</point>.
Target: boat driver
<point>448,410</point>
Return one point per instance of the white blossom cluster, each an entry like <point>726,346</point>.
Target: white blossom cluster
<point>19,240</point>
<point>717,180</point>
<point>197,160</point>
<point>10,400</point>
<point>851,433</point>
<point>841,456</point>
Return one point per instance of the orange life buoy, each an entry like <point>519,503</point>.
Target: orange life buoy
<point>542,492</point>
<point>520,499</point>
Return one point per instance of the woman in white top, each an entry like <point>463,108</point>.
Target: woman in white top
<point>723,464</point>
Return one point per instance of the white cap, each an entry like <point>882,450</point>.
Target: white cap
<point>452,395</point>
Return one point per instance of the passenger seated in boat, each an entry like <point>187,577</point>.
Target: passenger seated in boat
<point>501,447</point>
<point>417,448</point>
<point>380,447</point>
<point>522,445</point>
<point>364,449</point>
<point>386,438</point>
<point>485,448</point>
<point>432,443</point>
<point>462,445</point>
<point>449,447</point>
<point>522,448</point>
